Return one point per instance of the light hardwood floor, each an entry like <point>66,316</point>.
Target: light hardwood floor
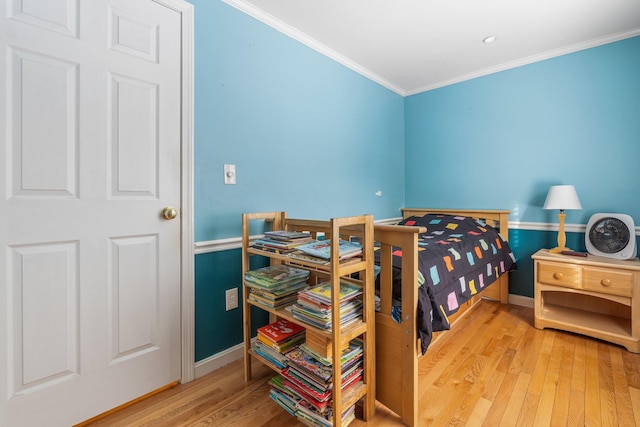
<point>494,369</point>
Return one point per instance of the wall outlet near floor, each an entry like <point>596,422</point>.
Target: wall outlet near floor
<point>231,298</point>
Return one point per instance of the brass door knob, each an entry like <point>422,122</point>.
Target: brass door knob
<point>169,213</point>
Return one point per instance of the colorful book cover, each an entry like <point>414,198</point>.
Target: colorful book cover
<point>279,292</point>
<point>322,292</point>
<point>270,249</point>
<point>315,384</point>
<point>346,309</point>
<point>312,304</point>
<point>306,391</point>
<point>284,401</point>
<point>311,417</point>
<point>287,235</point>
<point>279,289</point>
<point>269,355</point>
<point>283,346</point>
<point>303,256</point>
<point>309,364</point>
<point>277,383</point>
<point>272,304</point>
<point>280,330</point>
<point>319,405</point>
<point>274,275</point>
<point>282,396</point>
<point>265,348</point>
<point>277,244</point>
<point>322,249</point>
<point>320,394</point>
<point>350,315</point>
<point>350,353</point>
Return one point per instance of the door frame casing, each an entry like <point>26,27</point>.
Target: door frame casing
<point>187,289</point>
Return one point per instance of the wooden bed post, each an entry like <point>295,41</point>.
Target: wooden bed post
<point>397,343</point>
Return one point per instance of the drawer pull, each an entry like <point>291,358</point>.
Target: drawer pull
<point>605,282</point>
<point>558,276</point>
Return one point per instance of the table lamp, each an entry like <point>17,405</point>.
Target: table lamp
<point>562,197</point>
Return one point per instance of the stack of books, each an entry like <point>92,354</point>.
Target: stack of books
<point>307,384</point>
<point>313,305</point>
<point>309,416</point>
<point>283,397</point>
<point>276,339</point>
<point>304,411</point>
<point>282,241</point>
<point>275,286</point>
<point>322,249</point>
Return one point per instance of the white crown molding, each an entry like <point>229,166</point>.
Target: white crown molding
<point>529,60</point>
<point>288,30</point>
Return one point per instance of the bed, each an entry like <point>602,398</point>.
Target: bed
<point>400,326</point>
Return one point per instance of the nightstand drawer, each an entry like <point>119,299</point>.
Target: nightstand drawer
<point>556,274</point>
<point>608,281</point>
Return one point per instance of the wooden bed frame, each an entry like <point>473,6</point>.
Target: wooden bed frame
<point>397,345</point>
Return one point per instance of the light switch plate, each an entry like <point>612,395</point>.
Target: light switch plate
<point>229,174</point>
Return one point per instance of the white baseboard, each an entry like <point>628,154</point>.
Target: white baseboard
<point>521,300</point>
<point>218,360</point>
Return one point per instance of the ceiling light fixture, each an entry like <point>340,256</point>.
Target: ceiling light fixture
<point>489,39</point>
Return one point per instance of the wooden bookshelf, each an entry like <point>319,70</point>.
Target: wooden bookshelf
<point>358,270</point>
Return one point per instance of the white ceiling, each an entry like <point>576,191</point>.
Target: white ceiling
<point>410,46</point>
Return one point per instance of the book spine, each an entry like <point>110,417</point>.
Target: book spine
<point>283,347</point>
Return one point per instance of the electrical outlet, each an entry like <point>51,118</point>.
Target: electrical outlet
<point>231,298</point>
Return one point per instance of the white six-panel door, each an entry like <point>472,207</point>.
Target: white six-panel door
<point>90,269</point>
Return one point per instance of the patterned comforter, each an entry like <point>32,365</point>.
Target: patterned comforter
<point>457,257</point>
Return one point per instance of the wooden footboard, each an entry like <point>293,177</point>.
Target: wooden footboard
<point>397,345</point>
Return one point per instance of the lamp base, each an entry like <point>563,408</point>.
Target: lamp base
<point>558,250</point>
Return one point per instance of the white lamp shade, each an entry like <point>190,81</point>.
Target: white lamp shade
<point>562,197</point>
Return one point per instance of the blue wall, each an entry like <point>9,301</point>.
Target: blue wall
<point>307,135</point>
<point>501,140</point>
<point>574,119</point>
<point>315,139</point>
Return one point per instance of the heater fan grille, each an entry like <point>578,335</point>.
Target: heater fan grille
<point>609,235</point>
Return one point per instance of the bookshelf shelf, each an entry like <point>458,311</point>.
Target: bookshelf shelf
<point>263,360</point>
<point>347,267</point>
<point>347,333</point>
<point>357,270</point>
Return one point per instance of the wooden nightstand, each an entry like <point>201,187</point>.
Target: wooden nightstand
<point>594,296</point>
